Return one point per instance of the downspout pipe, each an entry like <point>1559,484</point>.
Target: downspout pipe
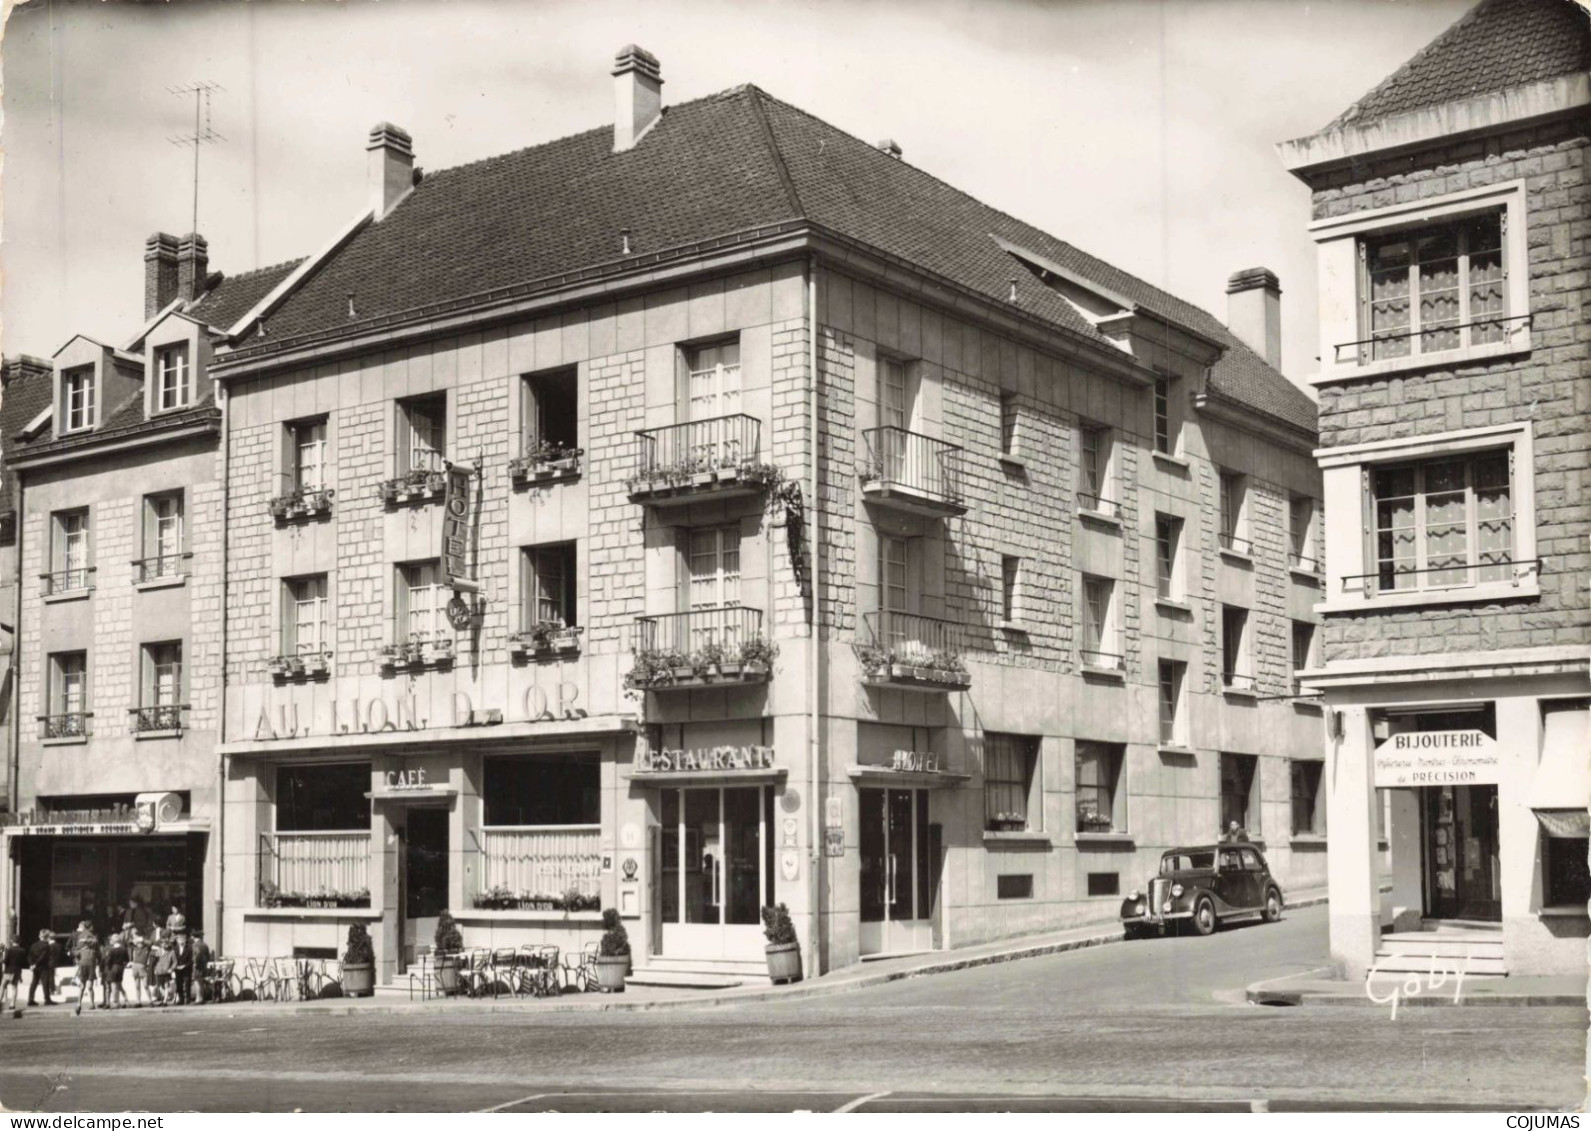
<point>814,670</point>
<point>218,928</point>
<point>13,871</point>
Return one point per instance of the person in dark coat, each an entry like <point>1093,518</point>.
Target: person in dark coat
<point>182,969</point>
<point>202,955</point>
<point>113,970</point>
<point>11,966</point>
<point>43,957</point>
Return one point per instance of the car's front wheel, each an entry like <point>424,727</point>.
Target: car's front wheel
<point>1273,905</point>
<point>1204,916</point>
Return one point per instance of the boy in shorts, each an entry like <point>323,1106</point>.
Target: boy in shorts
<point>87,968</point>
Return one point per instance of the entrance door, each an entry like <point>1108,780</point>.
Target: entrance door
<point>897,876</point>
<point>424,875</point>
<point>1462,875</point>
<point>717,871</point>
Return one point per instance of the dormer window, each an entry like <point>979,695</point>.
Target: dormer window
<point>77,394</point>
<point>171,378</point>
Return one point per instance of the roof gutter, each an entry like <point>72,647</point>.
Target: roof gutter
<point>1256,422</point>
<point>139,439</point>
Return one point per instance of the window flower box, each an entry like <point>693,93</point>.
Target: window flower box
<point>301,505</point>
<point>417,485</point>
<point>547,463</point>
<point>306,666</point>
<point>416,653</point>
<point>710,665</point>
<point>544,639</point>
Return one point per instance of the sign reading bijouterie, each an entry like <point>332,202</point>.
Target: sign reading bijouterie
<point>1437,757</point>
<point>717,758</point>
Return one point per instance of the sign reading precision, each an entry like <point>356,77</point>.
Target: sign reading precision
<point>717,758</point>
<point>1437,757</point>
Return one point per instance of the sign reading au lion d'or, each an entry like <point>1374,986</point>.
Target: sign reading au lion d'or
<point>1437,757</point>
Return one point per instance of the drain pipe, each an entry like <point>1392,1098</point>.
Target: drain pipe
<point>223,400</point>
<point>814,669</point>
<point>13,873</point>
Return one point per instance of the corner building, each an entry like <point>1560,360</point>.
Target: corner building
<point>1450,209</point>
<point>697,381</point>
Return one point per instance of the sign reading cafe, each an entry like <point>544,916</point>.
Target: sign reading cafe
<point>1437,757</point>
<point>716,758</point>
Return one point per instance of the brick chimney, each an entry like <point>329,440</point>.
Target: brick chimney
<point>637,95</point>
<point>24,365</point>
<point>193,266</point>
<point>1254,311</point>
<point>160,273</point>
<point>390,166</point>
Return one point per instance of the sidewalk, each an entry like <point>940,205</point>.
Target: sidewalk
<point>1328,987</point>
<point>395,998</point>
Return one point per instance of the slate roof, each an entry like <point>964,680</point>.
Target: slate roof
<point>235,295</point>
<point>1496,45</point>
<point>714,167</point>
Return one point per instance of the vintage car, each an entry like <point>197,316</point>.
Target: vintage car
<point>1203,887</point>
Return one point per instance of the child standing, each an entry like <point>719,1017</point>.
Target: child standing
<point>87,967</point>
<point>115,968</point>
<point>138,965</point>
<point>165,967</point>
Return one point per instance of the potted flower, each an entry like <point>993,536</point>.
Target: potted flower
<point>708,660</point>
<point>613,954</point>
<point>359,963</point>
<point>784,950</point>
<point>757,654</point>
<point>449,941</point>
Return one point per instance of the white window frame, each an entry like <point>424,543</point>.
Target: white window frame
<point>894,394</point>
<point>1232,512</point>
<point>308,453</point>
<point>1111,758</point>
<point>78,398</point>
<point>715,384</point>
<point>1170,575</point>
<point>1017,780</point>
<point>165,528</point>
<point>68,691</point>
<point>424,433</point>
<point>718,588</point>
<point>1010,588</point>
<point>1165,437</point>
<point>162,685</point>
<point>422,608</point>
<point>1241,676</point>
<point>1177,701</point>
<point>306,607</point>
<point>73,554</point>
<point>1302,536</point>
<point>539,599</point>
<point>1345,471</point>
<point>173,378</point>
<point>1338,240</point>
<point>1300,663</point>
<point>1101,627</point>
<point>1096,470</point>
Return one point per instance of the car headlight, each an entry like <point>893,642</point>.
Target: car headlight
<point>1176,890</point>
<point>1167,907</point>
<point>1138,908</point>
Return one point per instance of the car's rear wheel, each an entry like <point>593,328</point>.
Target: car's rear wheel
<point>1273,905</point>
<point>1204,916</point>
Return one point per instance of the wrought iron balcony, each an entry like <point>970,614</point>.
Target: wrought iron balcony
<point>78,580</point>
<point>69,724</point>
<point>913,653</point>
<point>718,458</point>
<point>911,472</point>
<point>164,567</point>
<point>701,648</point>
<point>166,717</point>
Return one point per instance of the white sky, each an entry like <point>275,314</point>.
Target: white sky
<point>1141,131</point>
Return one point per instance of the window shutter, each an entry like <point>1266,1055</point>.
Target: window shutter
<point>1368,503</point>
<point>289,634</point>
<point>401,606</point>
<point>1363,268</point>
<point>1513,514</point>
<point>570,610</point>
<point>151,528</point>
<point>530,415</point>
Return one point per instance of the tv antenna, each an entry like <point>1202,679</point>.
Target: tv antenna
<point>202,133</point>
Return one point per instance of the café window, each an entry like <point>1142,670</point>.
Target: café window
<point>323,798</point>
<point>549,586</point>
<point>1010,783</point>
<point>173,386</point>
<point>1173,719</point>
<point>1432,289</point>
<point>1443,523</point>
<point>422,434</point>
<point>1168,558</point>
<point>1101,802</point>
<point>1309,810</point>
<point>1240,802</point>
<point>541,790</point>
<point>550,412</point>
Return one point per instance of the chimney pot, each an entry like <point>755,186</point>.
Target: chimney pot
<point>1254,312</point>
<point>890,146</point>
<point>390,167</point>
<point>193,266</point>
<point>637,95</point>
<point>160,273</point>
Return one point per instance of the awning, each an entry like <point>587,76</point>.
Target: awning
<point>883,777</point>
<point>1561,790</point>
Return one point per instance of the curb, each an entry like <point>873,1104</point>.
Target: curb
<point>1276,992</point>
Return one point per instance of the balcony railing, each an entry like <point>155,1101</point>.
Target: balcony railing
<point>721,457</point>
<point>1390,578</point>
<point>913,472</point>
<point>69,724</point>
<point>1099,504</point>
<point>1432,339</point>
<point>913,652</point>
<point>167,716</point>
<point>1237,681</point>
<point>160,567</point>
<point>1235,543</point>
<point>1104,661</point>
<point>75,580</point>
<point>1304,563</point>
<point>546,861</point>
<point>301,868</point>
<point>701,647</point>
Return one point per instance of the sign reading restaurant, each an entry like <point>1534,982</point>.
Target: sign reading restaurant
<point>716,758</point>
<point>1437,757</point>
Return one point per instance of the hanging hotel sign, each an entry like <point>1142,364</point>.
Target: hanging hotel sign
<point>456,529</point>
<point>726,758</point>
<point>1437,757</point>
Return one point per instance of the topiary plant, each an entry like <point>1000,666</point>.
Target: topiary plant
<point>615,939</point>
<point>776,926</point>
<point>449,939</point>
<point>360,949</point>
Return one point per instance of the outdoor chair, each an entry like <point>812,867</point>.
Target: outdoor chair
<point>219,983</point>
<point>580,967</point>
<point>262,975</point>
<point>475,967</point>
<point>546,971</point>
<point>330,974</point>
<point>506,973</point>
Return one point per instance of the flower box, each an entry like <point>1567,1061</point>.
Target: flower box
<point>302,505</point>
<point>415,486</point>
<point>544,465</point>
<point>544,640</point>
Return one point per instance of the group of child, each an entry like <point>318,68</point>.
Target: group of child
<point>166,968</point>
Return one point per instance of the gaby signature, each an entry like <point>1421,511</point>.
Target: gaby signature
<point>1411,985</point>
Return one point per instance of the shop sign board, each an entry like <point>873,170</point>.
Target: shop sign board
<point>376,715</point>
<point>1437,757</point>
<point>727,758</point>
<point>456,528</point>
<point>914,761</point>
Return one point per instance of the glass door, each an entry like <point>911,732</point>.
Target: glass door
<point>1463,878</point>
<point>425,857</point>
<point>717,871</point>
<point>897,874</point>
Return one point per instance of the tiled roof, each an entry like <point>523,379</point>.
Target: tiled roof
<point>1496,45</point>
<point>235,295</point>
<point>711,168</point>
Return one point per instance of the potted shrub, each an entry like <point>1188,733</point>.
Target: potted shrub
<point>708,660</point>
<point>757,654</point>
<point>613,954</point>
<point>359,963</point>
<point>784,951</point>
<point>449,941</point>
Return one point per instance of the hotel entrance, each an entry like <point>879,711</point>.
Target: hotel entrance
<point>716,870</point>
<point>898,879</point>
<point>1463,877</point>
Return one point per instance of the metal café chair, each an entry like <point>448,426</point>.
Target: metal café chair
<point>580,967</point>
<point>506,972</point>
<point>546,971</point>
<point>219,982</point>
<point>476,969</point>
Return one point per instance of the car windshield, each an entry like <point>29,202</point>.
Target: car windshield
<point>1184,861</point>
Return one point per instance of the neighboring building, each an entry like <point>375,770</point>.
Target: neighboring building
<point>1065,564</point>
<point>1450,209</point>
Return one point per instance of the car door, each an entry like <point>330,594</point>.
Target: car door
<point>1229,878</point>
<point>1253,878</point>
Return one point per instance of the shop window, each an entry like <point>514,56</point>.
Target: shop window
<point>162,537</point>
<point>1169,569</point>
<point>1443,523</point>
<point>551,413</point>
<point>304,627</point>
<point>1303,651</point>
<point>1240,801</point>
<point>535,789</point>
<point>1301,534</point>
<point>422,434</point>
<point>1173,719</point>
<point>1104,883</point>
<point>1233,513</point>
<point>173,383</point>
<point>70,566</point>
<point>714,380</point>
<point>1096,477</point>
<point>549,586</point>
<point>1101,634</point>
<point>77,394</point>
<point>1309,812</point>
<point>1236,673</point>
<point>1101,802</point>
<point>1433,289</point>
<point>1014,886</point>
<point>1010,783</point>
<point>1482,717</point>
<point>421,604</point>
<point>1565,879</point>
<point>306,443</point>
<point>1010,580</point>
<point>323,798</point>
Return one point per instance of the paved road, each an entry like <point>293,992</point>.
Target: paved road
<point>1135,1026</point>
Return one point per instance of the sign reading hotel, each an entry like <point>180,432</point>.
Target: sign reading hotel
<point>456,529</point>
<point>728,758</point>
<point>1437,757</point>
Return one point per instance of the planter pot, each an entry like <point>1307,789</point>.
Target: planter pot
<point>447,974</point>
<point>359,979</point>
<point>611,972</point>
<point>784,962</point>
